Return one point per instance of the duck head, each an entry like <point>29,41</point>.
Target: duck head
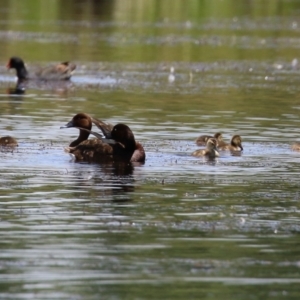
<point>236,141</point>
<point>218,136</point>
<point>15,62</point>
<point>79,121</point>
<point>211,144</point>
<point>122,134</point>
<point>18,64</point>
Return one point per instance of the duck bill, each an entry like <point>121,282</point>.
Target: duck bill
<point>8,65</point>
<point>68,125</point>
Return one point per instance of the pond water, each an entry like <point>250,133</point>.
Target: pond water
<point>177,227</point>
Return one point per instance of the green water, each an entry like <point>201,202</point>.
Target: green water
<point>177,227</point>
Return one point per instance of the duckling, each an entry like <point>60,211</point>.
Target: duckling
<point>296,146</point>
<point>210,151</point>
<point>235,144</point>
<point>202,140</point>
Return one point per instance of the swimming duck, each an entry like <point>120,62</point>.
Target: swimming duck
<point>62,71</point>
<point>210,151</point>
<point>119,142</point>
<point>107,128</point>
<point>234,146</point>
<point>8,141</point>
<point>202,140</point>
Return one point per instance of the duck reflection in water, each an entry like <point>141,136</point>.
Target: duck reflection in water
<point>103,182</point>
<point>118,144</point>
<point>118,180</point>
<point>15,97</point>
<point>18,90</point>
<point>59,88</point>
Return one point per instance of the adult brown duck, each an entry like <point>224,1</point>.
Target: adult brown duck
<point>62,71</point>
<point>118,143</point>
<point>8,141</point>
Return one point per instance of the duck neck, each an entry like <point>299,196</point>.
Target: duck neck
<point>22,73</point>
<point>125,150</point>
<point>130,146</point>
<point>83,135</point>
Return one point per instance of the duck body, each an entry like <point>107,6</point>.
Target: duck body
<point>118,145</point>
<point>235,144</point>
<point>202,140</point>
<point>96,150</point>
<point>138,155</point>
<point>62,71</point>
<point>211,150</point>
<point>8,141</point>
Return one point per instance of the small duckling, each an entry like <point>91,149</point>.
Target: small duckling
<point>8,141</point>
<point>210,151</point>
<point>235,144</point>
<point>296,146</point>
<point>202,140</point>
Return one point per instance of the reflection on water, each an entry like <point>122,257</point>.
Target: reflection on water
<point>17,90</point>
<point>178,226</point>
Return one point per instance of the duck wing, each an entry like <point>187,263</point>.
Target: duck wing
<point>106,128</point>
<point>106,140</point>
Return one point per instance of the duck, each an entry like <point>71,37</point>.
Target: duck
<point>118,142</point>
<point>235,144</point>
<point>8,141</point>
<point>296,146</point>
<point>210,151</point>
<point>202,140</point>
<point>61,71</point>
<point>138,155</point>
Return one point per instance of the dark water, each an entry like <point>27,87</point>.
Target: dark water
<point>177,227</point>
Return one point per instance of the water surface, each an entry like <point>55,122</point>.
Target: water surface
<point>177,227</point>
